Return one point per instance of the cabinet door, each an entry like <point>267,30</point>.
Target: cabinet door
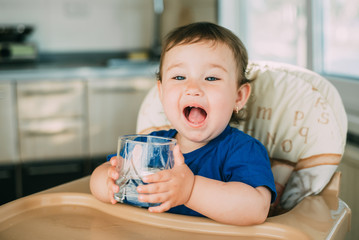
<point>49,99</point>
<point>113,107</point>
<point>51,139</point>
<point>8,133</point>
<point>51,120</point>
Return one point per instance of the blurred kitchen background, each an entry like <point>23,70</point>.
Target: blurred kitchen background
<point>73,74</point>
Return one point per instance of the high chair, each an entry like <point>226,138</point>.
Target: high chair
<point>295,113</point>
<point>299,117</point>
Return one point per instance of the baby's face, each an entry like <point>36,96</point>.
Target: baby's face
<point>199,89</point>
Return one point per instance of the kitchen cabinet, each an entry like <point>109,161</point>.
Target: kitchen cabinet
<point>8,183</point>
<point>55,125</point>
<point>8,142</point>
<point>51,120</point>
<point>8,124</point>
<point>52,132</point>
<point>38,176</point>
<point>113,107</point>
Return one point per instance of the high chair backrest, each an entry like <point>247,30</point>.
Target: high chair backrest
<point>298,116</point>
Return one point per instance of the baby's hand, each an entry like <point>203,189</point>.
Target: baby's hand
<point>171,187</point>
<point>113,175</point>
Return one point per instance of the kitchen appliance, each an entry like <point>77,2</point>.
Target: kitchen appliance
<point>13,47</point>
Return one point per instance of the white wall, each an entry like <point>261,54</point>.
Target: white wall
<point>83,25</point>
<point>100,25</point>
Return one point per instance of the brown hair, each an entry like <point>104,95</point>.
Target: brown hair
<point>205,31</point>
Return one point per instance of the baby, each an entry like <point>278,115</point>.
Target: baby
<point>219,171</point>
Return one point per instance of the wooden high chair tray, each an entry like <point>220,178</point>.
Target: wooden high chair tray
<point>54,214</point>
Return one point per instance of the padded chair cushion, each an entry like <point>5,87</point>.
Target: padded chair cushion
<point>296,114</point>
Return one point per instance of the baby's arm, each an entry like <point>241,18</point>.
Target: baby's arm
<point>102,181</point>
<point>230,202</point>
<point>227,202</point>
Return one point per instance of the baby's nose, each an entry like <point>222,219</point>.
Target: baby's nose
<point>193,88</point>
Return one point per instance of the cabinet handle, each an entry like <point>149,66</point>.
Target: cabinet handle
<point>115,90</point>
<point>30,93</point>
<point>44,133</point>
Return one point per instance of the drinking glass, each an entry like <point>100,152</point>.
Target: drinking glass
<point>140,155</point>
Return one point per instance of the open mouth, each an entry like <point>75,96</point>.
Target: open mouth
<point>195,115</point>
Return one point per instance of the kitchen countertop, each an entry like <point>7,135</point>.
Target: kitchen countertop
<point>67,68</point>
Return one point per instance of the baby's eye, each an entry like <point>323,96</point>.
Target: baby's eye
<point>179,78</point>
<point>212,78</point>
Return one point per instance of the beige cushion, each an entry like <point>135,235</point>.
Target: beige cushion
<point>296,114</point>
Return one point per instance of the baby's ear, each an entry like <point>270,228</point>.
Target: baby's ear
<point>244,91</point>
<point>159,88</point>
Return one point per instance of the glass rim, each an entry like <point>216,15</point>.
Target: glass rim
<point>169,139</point>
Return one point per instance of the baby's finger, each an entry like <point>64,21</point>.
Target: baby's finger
<point>178,156</point>
<point>115,160</point>
<point>153,198</point>
<point>111,185</point>
<point>113,173</point>
<point>161,176</point>
<point>111,197</point>
<point>153,188</point>
<point>161,208</point>
<point>112,189</point>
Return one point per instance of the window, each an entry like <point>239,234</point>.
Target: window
<point>319,35</point>
<point>273,30</point>
<point>286,19</point>
<point>341,38</point>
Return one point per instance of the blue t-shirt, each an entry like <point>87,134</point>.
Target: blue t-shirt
<point>233,156</point>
